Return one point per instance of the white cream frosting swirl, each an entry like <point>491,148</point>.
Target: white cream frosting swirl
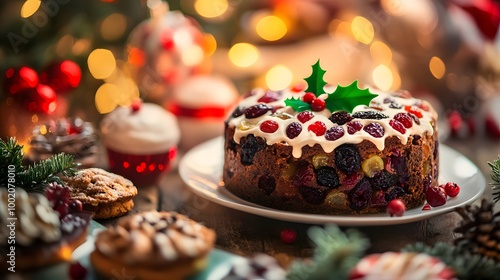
<point>149,130</point>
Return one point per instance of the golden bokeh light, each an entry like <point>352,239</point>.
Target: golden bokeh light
<point>106,98</point>
<point>271,28</point>
<point>209,44</point>
<point>279,77</point>
<point>396,78</point>
<point>392,7</point>
<point>101,63</point>
<point>381,53</point>
<point>30,7</point>
<point>113,26</point>
<point>382,77</point>
<point>362,30</point>
<point>211,8</point>
<point>437,67</point>
<point>243,54</point>
<point>192,56</point>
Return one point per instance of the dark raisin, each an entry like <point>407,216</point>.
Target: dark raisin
<point>267,183</point>
<point>312,195</point>
<point>416,140</point>
<point>293,130</point>
<point>394,192</point>
<point>427,181</point>
<point>388,100</point>
<point>256,111</point>
<point>436,148</point>
<point>415,118</point>
<point>327,176</point>
<point>398,164</point>
<point>237,112</point>
<point>347,158</point>
<point>340,117</point>
<point>270,96</point>
<point>395,105</point>
<point>361,195</point>
<point>334,133</point>
<point>249,148</point>
<point>374,129</point>
<point>369,115</point>
<point>383,180</point>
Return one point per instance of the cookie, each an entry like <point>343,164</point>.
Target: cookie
<point>106,194</point>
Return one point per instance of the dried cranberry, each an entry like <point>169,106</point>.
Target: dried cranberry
<point>267,183</point>
<point>305,116</point>
<point>270,96</point>
<point>374,129</point>
<point>312,195</point>
<point>334,133</point>
<point>303,176</point>
<point>436,149</point>
<point>361,195</point>
<point>318,128</point>
<point>340,117</point>
<point>256,111</point>
<point>353,127</point>
<point>405,119</point>
<point>293,130</point>
<point>399,127</point>
<point>269,126</point>
<point>288,236</point>
<point>369,115</point>
<point>327,176</point>
<point>347,158</point>
<point>318,105</point>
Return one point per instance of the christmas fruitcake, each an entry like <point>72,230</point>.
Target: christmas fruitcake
<point>350,151</point>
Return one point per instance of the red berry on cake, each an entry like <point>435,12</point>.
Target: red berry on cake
<point>318,128</point>
<point>256,111</point>
<point>405,119</point>
<point>451,189</point>
<point>375,130</point>
<point>293,130</point>
<point>413,110</point>
<point>426,207</point>
<point>270,96</point>
<point>288,236</point>
<point>309,97</point>
<point>318,105</point>
<point>305,116</point>
<point>399,127</point>
<point>436,196</point>
<point>269,126</point>
<point>353,127</point>
<point>396,207</point>
<point>136,105</point>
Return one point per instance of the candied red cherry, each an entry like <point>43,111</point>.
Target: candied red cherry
<point>269,126</point>
<point>399,127</point>
<point>412,110</point>
<point>318,128</point>
<point>451,189</point>
<point>308,97</point>
<point>340,117</point>
<point>334,133</point>
<point>305,116</point>
<point>396,207</point>
<point>318,105</point>
<point>256,111</point>
<point>75,205</point>
<point>353,127</point>
<point>436,196</point>
<point>293,130</point>
<point>405,119</point>
<point>270,96</point>
<point>374,129</point>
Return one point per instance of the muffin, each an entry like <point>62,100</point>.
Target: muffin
<point>153,245</point>
<point>42,235</point>
<point>105,194</point>
<point>141,141</point>
<point>260,266</point>
<point>65,135</point>
<point>201,105</point>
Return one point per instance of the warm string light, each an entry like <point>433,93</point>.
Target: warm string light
<point>211,8</point>
<point>437,67</point>
<point>243,54</point>
<point>30,7</point>
<point>279,77</point>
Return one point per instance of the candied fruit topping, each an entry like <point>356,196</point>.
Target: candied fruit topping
<point>336,199</point>
<point>312,195</point>
<point>353,127</point>
<point>405,119</point>
<point>318,104</point>
<point>413,110</point>
<point>305,116</point>
<point>369,115</point>
<point>293,130</point>
<point>327,176</point>
<point>282,115</point>
<point>269,126</point>
<point>318,128</point>
<point>374,129</point>
<point>319,161</point>
<point>361,195</point>
<point>267,183</point>
<point>347,158</point>
<point>399,127</point>
<point>372,165</point>
<point>334,133</point>
<point>308,97</point>
<point>244,126</point>
<point>340,117</point>
<point>249,148</point>
<point>256,111</point>
<point>270,96</point>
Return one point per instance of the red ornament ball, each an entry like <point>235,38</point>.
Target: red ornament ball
<point>62,76</point>
<point>41,99</point>
<point>20,79</point>
<point>288,236</point>
<point>396,207</point>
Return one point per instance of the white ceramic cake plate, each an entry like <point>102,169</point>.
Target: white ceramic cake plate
<point>201,170</point>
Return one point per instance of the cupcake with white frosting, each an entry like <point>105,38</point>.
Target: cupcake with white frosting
<point>141,141</point>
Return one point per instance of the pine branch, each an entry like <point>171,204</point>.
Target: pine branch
<point>466,265</point>
<point>495,176</point>
<point>11,153</point>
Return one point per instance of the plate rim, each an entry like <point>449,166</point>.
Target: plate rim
<point>342,220</point>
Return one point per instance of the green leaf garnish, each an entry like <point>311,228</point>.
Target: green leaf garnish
<point>297,104</point>
<point>315,82</point>
<point>346,98</point>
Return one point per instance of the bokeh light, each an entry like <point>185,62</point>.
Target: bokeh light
<point>381,53</point>
<point>106,98</point>
<point>243,54</point>
<point>271,28</point>
<point>279,77</point>
<point>211,8</point>
<point>30,7</point>
<point>437,67</point>
<point>209,44</point>
<point>192,56</point>
<point>113,26</point>
<point>382,77</point>
<point>101,63</point>
<point>362,30</point>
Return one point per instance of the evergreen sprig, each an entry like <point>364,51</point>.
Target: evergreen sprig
<point>336,253</point>
<point>33,178</point>
<point>495,176</point>
<point>466,265</point>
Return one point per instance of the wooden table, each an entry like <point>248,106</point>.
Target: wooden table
<point>242,233</point>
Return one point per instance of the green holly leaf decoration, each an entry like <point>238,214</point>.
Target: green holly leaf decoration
<point>346,98</point>
<point>297,104</point>
<point>315,82</point>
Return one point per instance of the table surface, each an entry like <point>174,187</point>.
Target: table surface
<point>244,234</point>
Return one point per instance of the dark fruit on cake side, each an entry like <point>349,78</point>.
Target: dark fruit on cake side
<point>353,179</point>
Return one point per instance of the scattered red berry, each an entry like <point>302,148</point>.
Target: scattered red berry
<point>492,127</point>
<point>318,128</point>
<point>305,116</point>
<point>426,207</point>
<point>298,87</point>
<point>405,119</point>
<point>308,97</point>
<point>136,105</point>
<point>451,189</point>
<point>269,126</point>
<point>75,205</point>
<point>399,127</point>
<point>77,271</point>
<point>396,207</point>
<point>288,236</point>
<point>455,121</point>
<point>413,110</point>
<point>318,105</point>
<point>436,196</point>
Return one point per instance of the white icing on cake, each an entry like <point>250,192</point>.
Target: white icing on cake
<point>200,91</point>
<point>150,130</point>
<point>245,126</point>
